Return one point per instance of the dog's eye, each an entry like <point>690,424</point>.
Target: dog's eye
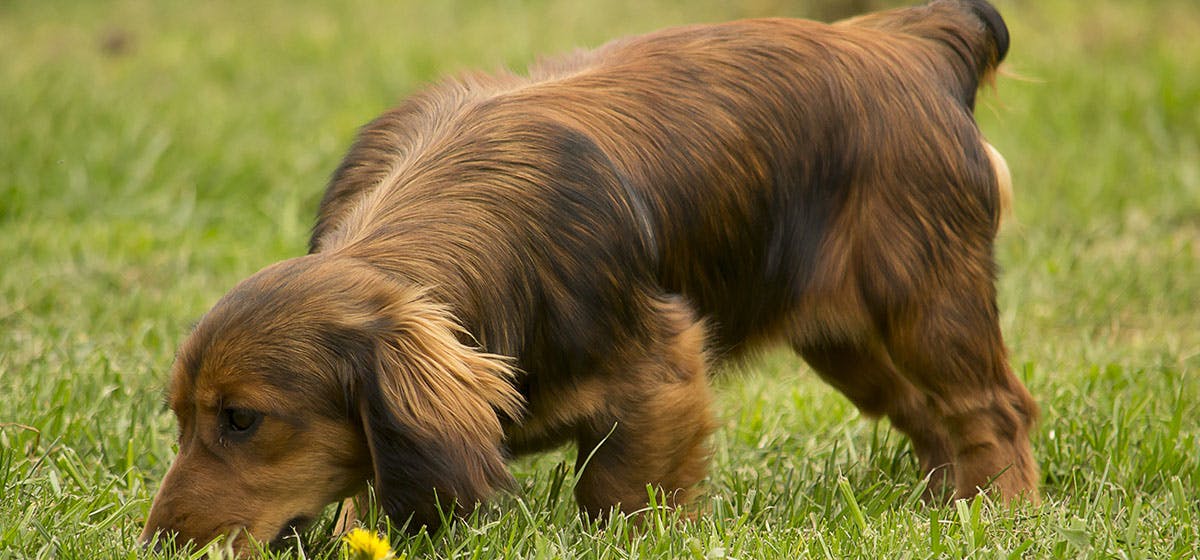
<point>241,420</point>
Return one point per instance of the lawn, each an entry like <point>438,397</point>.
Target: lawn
<point>152,154</point>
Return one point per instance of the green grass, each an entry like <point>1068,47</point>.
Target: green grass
<point>154,153</point>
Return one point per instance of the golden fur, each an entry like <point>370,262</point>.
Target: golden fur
<point>504,264</point>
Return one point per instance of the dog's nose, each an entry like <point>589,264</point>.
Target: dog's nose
<point>152,538</point>
<point>150,545</point>
<point>294,526</point>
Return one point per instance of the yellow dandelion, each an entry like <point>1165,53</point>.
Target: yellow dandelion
<point>361,544</point>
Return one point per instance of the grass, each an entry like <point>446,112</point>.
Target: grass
<point>152,154</point>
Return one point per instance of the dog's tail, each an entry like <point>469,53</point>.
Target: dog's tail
<point>969,40</point>
<point>969,33</point>
<point>1003,179</point>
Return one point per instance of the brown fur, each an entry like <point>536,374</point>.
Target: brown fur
<point>504,264</point>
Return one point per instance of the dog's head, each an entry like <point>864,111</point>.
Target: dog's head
<point>309,380</point>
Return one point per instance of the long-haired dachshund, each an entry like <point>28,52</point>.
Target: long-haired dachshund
<point>504,264</point>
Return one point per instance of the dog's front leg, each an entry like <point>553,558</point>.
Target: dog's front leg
<point>656,426</point>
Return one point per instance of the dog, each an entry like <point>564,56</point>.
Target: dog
<point>504,264</point>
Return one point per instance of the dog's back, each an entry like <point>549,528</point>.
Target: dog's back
<point>729,151</point>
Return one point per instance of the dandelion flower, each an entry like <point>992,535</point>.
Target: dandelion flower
<point>361,544</point>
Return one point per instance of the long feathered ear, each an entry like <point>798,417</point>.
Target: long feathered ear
<point>430,409</point>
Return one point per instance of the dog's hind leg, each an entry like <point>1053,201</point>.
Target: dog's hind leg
<point>870,380</point>
<point>656,424</point>
<point>946,340</point>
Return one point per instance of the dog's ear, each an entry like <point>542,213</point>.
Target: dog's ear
<point>430,407</point>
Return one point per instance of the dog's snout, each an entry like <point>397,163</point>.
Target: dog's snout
<point>293,527</point>
<point>150,541</point>
<point>159,540</point>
